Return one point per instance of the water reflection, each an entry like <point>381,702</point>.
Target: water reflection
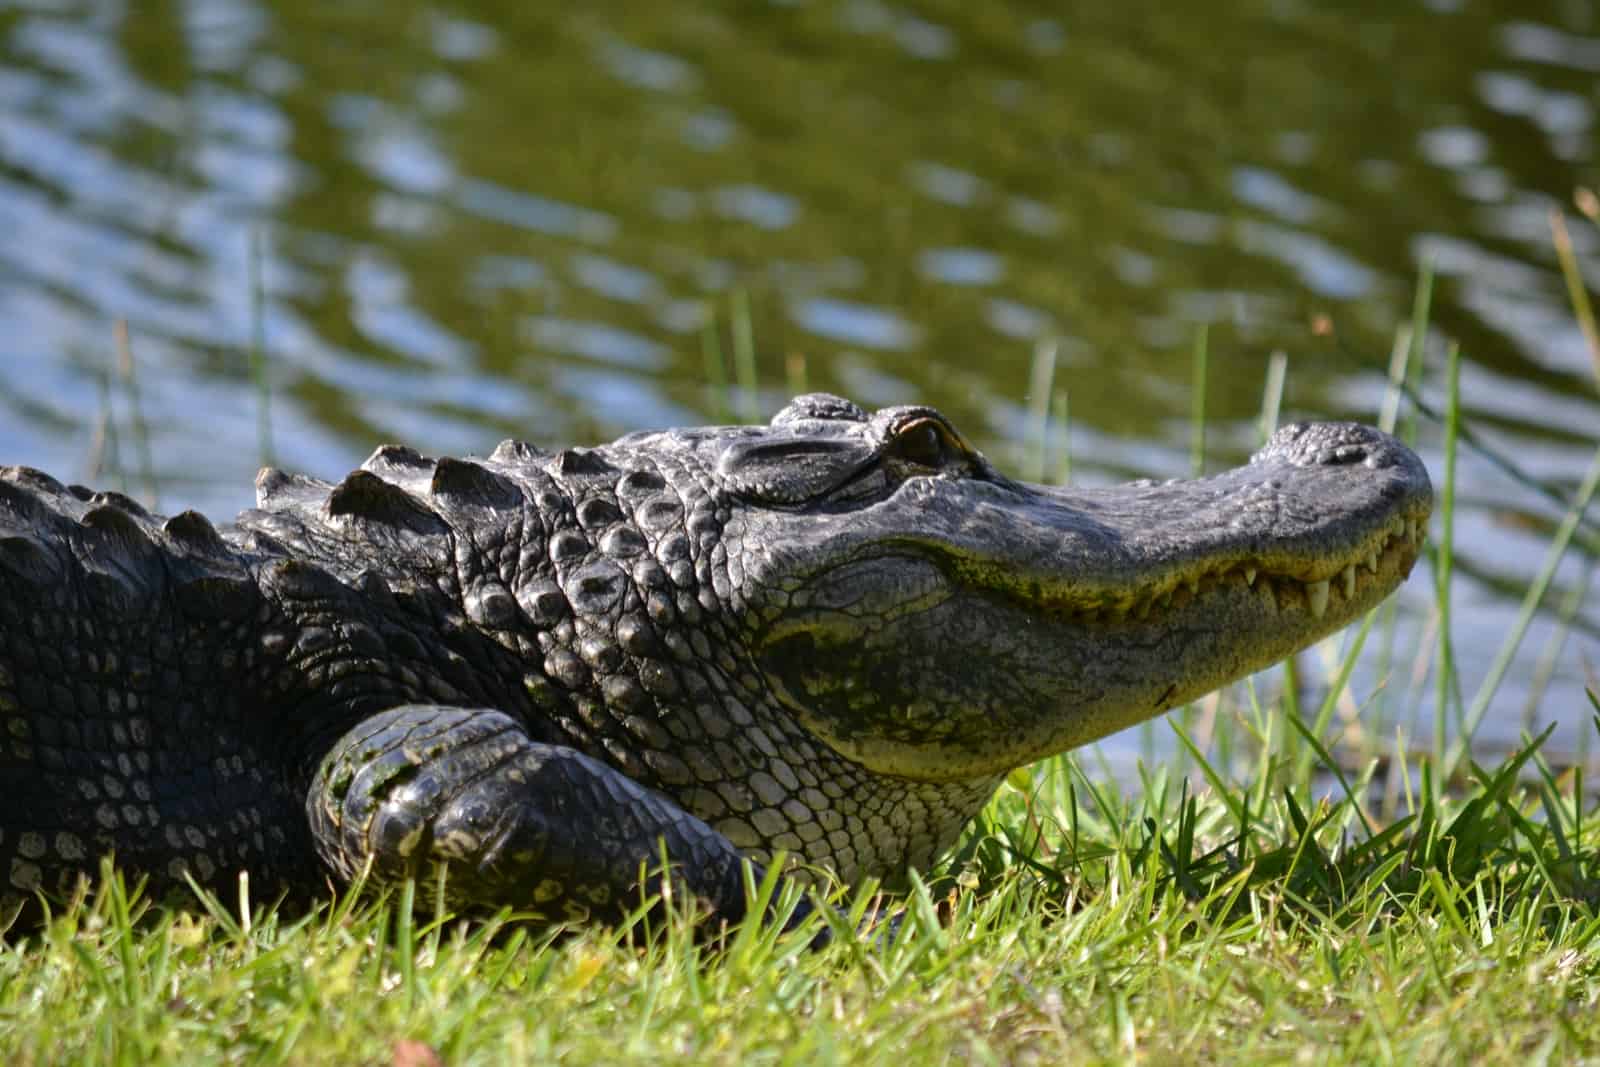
<point>449,222</point>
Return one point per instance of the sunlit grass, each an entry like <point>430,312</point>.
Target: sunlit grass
<point>1199,920</point>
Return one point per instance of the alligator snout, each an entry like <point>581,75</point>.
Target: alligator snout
<point>1077,610</point>
<point>1344,444</point>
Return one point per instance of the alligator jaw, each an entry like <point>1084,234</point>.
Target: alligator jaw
<point>967,626</point>
<point>1324,588</point>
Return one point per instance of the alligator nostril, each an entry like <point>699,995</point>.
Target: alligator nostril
<point>1347,454</point>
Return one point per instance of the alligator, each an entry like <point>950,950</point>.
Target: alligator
<point>828,638</point>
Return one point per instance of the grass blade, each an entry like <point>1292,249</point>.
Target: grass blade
<point>1530,604</point>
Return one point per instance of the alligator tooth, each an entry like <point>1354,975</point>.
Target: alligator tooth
<point>1268,595</point>
<point>1317,597</point>
<point>1372,562</point>
<point>1141,610</point>
<point>1397,527</point>
<point>1411,529</point>
<point>1249,576</point>
<point>1194,586</point>
<point>1349,581</point>
<point>1164,601</point>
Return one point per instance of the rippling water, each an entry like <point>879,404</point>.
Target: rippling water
<point>450,223</point>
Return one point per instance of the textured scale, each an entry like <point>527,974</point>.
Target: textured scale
<point>538,668</point>
<point>119,732</point>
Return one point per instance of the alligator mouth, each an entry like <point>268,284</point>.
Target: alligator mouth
<point>968,625</point>
<point>1326,589</point>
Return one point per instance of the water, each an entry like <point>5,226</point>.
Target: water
<point>472,221</point>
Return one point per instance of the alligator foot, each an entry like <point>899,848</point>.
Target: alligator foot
<point>538,827</point>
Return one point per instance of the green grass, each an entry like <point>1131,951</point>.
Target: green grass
<point>1240,922</point>
<point>1284,889</point>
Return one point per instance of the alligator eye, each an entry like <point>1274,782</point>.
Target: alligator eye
<point>922,443</point>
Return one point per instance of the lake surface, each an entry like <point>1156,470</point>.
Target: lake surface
<point>449,223</point>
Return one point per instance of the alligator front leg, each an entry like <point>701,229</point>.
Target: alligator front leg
<point>538,827</point>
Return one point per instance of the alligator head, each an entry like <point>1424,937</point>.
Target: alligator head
<point>931,619</point>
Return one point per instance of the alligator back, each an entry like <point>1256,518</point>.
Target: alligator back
<point>123,668</point>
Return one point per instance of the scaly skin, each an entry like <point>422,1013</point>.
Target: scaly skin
<point>828,637</point>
